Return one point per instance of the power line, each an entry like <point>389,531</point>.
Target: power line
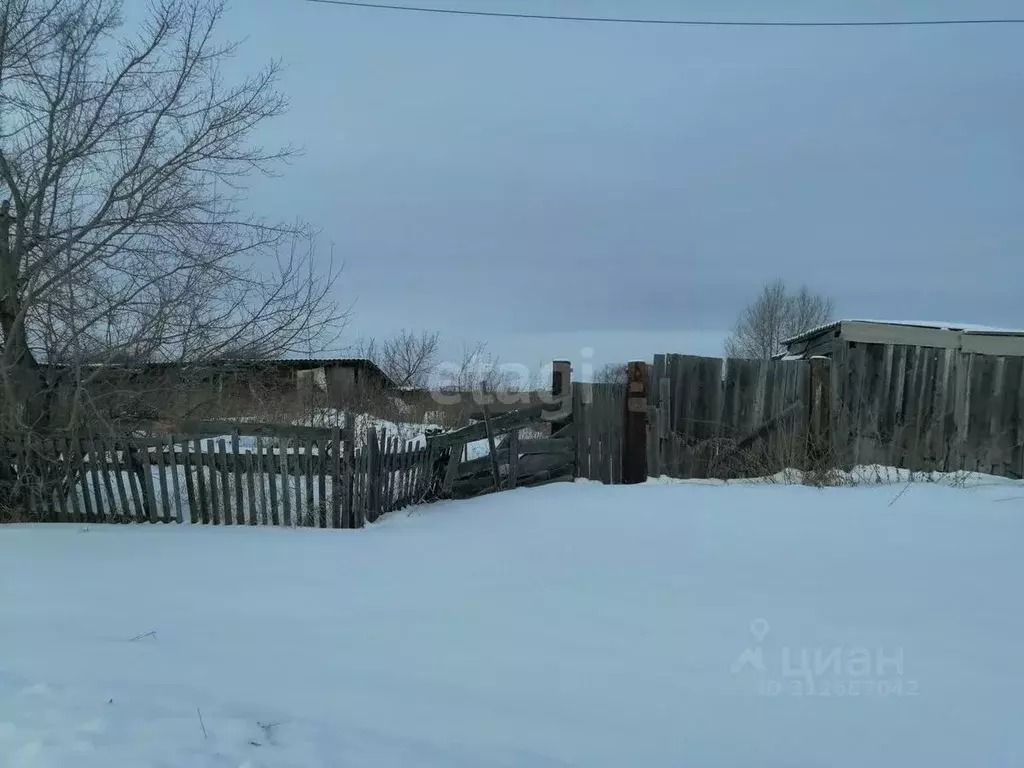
<point>673,22</point>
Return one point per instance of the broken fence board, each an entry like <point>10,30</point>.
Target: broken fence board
<point>546,445</point>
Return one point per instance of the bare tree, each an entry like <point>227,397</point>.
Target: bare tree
<point>612,373</point>
<point>775,315</point>
<point>123,163</point>
<point>478,370</point>
<point>408,358</point>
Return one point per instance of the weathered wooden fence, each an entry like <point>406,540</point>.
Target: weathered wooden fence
<point>282,475</point>
<point>925,408</point>
<point>703,410</point>
<point>290,476</point>
<point>509,460</point>
<point>917,408</point>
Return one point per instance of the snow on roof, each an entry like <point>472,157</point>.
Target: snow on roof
<point>946,326</point>
<point>936,324</point>
<point>810,332</point>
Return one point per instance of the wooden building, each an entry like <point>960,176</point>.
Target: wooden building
<point>216,388</point>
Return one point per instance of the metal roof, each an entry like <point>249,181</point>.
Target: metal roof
<point>812,332</point>
<point>968,328</point>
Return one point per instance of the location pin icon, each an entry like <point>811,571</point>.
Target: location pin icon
<point>759,629</point>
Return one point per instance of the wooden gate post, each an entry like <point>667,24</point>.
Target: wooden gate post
<point>561,387</point>
<point>634,449</point>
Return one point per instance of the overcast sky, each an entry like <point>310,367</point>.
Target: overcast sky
<point>548,187</point>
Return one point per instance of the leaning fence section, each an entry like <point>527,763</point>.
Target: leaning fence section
<point>532,446</point>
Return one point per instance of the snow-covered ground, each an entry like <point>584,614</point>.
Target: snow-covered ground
<point>668,624</point>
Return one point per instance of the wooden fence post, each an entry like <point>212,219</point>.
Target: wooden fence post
<point>634,453</point>
<point>492,450</point>
<point>561,387</point>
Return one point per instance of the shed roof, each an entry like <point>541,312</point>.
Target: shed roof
<point>293,363</point>
<point>968,328</point>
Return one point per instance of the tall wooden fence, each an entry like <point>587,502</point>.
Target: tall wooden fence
<point>925,408</point>
<point>701,409</point>
<point>917,408</point>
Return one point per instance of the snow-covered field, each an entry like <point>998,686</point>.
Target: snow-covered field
<point>668,624</point>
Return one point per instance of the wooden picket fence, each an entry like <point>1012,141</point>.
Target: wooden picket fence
<point>290,476</point>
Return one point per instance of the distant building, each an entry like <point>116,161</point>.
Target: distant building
<point>221,387</point>
<point>964,337</point>
<point>342,378</point>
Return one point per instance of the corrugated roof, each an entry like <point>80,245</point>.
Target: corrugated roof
<point>812,332</point>
<point>971,328</point>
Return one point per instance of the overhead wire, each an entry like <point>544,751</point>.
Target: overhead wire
<point>669,22</point>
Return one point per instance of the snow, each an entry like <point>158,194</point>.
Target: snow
<point>582,625</point>
<point>329,417</point>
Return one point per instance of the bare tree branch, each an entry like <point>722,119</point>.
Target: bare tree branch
<point>612,373</point>
<point>408,358</point>
<point>776,315</point>
<point>124,160</point>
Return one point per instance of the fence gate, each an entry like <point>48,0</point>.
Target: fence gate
<point>599,413</point>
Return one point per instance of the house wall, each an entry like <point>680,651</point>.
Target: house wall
<point>341,385</point>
